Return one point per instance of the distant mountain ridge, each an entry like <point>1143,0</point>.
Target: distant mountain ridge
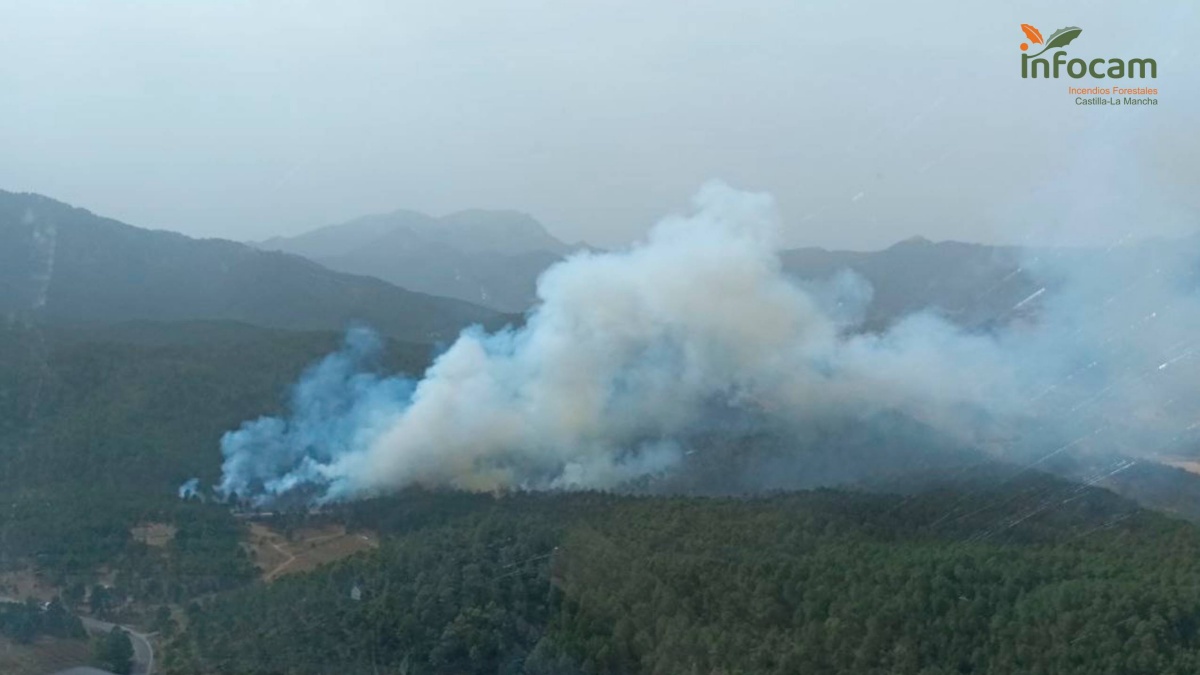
<point>472,231</point>
<point>492,258</point>
<point>67,264</point>
<point>495,257</point>
<point>972,284</point>
<point>64,264</point>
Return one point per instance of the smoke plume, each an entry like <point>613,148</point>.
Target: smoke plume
<point>629,353</point>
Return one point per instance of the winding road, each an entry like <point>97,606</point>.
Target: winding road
<point>143,650</point>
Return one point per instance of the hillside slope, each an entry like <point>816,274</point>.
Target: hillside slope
<point>67,265</point>
<point>99,427</point>
<point>817,582</point>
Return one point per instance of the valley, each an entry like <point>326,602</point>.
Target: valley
<point>103,418</point>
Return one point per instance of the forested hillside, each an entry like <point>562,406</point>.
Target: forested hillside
<point>982,568</point>
<point>99,427</point>
<point>954,581</point>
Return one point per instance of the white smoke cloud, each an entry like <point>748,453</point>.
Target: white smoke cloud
<point>628,351</point>
<point>621,352</point>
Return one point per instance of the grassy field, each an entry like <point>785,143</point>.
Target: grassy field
<point>25,583</point>
<point>46,655</point>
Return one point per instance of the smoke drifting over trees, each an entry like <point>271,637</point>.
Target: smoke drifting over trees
<point>628,354</point>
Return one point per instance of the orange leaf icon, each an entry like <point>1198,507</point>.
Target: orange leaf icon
<point>1035,36</point>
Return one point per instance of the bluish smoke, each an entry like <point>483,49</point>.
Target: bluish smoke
<point>189,489</point>
<point>339,407</point>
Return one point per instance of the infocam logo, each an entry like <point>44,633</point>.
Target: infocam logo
<point>1050,67</point>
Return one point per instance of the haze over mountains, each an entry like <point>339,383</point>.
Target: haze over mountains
<point>66,264</point>
<point>972,284</point>
<point>492,258</point>
<point>408,274</point>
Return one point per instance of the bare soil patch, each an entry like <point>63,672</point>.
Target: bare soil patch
<point>308,549</point>
<point>153,534</point>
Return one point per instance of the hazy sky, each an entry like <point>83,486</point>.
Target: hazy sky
<point>869,121</point>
